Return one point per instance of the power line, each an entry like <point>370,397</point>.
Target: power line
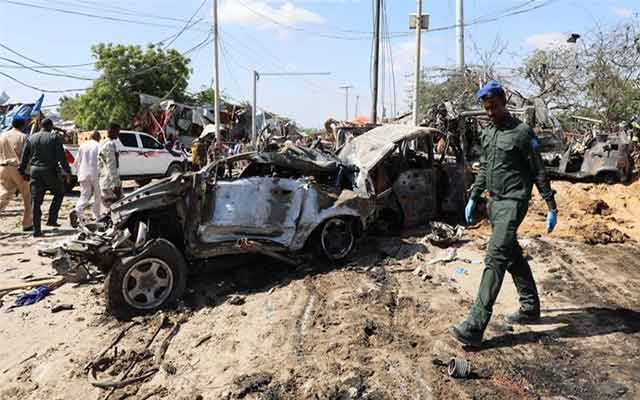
<point>298,29</point>
<point>82,78</point>
<point>203,43</point>
<point>89,15</point>
<point>276,63</point>
<point>40,89</point>
<point>188,25</point>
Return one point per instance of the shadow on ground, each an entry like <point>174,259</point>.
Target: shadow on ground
<point>576,323</point>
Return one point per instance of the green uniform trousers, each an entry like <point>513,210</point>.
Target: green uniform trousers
<point>41,181</point>
<point>504,254</point>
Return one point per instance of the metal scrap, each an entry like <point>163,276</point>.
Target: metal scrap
<point>444,235</point>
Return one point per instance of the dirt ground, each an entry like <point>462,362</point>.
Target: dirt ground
<point>374,327</point>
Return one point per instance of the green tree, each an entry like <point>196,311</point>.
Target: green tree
<point>69,107</point>
<point>205,97</point>
<point>126,72</point>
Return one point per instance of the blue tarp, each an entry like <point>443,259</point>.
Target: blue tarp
<point>26,111</point>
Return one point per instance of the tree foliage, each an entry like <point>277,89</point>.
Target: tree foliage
<point>127,71</point>
<point>598,77</point>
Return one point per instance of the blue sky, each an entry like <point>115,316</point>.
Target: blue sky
<point>284,36</point>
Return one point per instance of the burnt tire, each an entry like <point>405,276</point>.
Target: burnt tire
<point>335,239</point>
<point>154,279</point>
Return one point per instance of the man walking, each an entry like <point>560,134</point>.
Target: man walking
<point>509,165</point>
<point>109,167</point>
<point>45,153</point>
<point>86,165</point>
<point>11,147</point>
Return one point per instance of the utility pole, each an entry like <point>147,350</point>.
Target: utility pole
<point>255,78</point>
<point>357,103</point>
<point>216,103</point>
<point>346,100</point>
<point>376,62</point>
<point>460,33</point>
<point>419,22</point>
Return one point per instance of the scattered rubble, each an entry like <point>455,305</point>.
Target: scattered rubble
<point>444,235</point>
<point>247,384</point>
<point>459,368</point>
<point>600,233</point>
<point>599,207</point>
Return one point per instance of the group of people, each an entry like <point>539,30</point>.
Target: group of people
<point>35,164</point>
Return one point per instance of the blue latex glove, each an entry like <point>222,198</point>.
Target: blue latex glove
<point>552,220</point>
<point>468,210</point>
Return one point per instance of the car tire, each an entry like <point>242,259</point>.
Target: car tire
<point>174,169</point>
<point>335,239</point>
<point>147,282</point>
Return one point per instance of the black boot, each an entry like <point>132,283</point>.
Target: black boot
<point>466,334</point>
<point>523,317</point>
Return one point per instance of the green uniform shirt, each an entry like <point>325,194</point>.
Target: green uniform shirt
<point>510,163</point>
<point>43,150</point>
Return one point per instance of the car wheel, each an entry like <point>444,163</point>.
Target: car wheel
<point>145,283</point>
<point>174,169</point>
<point>336,239</point>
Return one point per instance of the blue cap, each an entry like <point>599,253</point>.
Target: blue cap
<point>490,89</point>
<point>19,117</point>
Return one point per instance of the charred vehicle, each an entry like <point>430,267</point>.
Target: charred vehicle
<point>601,157</point>
<point>278,204</point>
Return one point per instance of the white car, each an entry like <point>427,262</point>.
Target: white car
<point>142,158</point>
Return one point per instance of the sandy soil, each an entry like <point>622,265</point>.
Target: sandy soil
<point>371,328</point>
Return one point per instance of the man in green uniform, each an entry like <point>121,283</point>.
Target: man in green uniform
<point>44,152</point>
<point>510,164</point>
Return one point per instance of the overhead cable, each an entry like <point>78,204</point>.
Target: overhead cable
<point>188,25</point>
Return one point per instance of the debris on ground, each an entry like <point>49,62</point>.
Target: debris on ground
<point>61,307</point>
<point>247,384</point>
<point>236,300</point>
<point>600,233</point>
<point>31,297</point>
<point>203,339</point>
<point>459,368</point>
<point>444,235</point>
<point>599,207</point>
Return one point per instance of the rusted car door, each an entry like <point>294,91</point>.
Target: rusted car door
<point>254,208</point>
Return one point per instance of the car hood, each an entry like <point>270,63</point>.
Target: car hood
<point>155,195</point>
<point>368,150</point>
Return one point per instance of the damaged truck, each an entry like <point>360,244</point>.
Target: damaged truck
<point>280,204</point>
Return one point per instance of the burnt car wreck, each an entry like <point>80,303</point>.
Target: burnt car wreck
<point>279,204</point>
<point>601,157</point>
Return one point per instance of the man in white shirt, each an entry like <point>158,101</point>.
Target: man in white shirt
<point>86,165</point>
<point>109,168</point>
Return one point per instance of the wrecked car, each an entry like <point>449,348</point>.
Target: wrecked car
<point>600,157</point>
<point>278,204</point>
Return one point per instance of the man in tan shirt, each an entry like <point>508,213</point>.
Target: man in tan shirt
<point>11,146</point>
